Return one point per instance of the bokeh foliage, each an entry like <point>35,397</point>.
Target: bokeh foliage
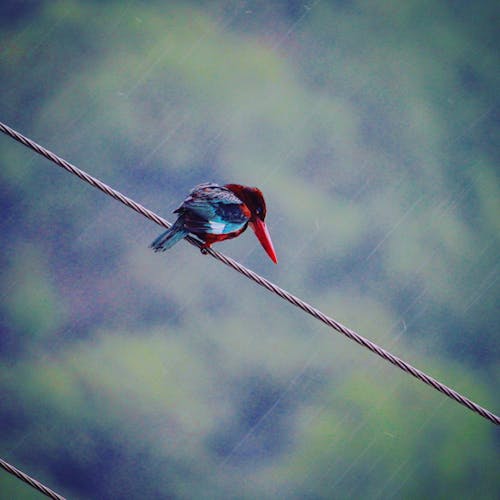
<point>371,127</point>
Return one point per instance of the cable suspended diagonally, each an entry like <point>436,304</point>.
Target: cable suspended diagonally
<point>29,480</point>
<point>296,301</point>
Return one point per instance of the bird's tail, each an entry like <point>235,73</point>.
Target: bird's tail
<point>170,237</point>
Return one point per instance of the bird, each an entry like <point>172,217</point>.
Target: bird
<point>216,213</point>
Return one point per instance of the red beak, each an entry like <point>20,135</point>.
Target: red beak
<point>260,230</point>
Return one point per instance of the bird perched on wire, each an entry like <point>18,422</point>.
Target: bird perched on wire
<point>216,213</point>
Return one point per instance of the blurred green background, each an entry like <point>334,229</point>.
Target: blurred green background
<point>372,129</point>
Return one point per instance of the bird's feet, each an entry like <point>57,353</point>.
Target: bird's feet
<point>204,248</point>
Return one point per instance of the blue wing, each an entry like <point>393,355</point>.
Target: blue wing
<point>212,209</point>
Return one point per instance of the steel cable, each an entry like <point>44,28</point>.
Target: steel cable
<point>29,480</point>
<point>316,313</point>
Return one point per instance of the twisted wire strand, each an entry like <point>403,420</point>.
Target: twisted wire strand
<point>29,480</point>
<point>316,313</point>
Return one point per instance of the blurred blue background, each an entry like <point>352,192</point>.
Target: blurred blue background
<point>372,129</point>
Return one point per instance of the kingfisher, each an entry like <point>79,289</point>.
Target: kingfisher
<point>217,213</point>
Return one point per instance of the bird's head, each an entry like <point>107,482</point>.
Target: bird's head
<point>254,200</point>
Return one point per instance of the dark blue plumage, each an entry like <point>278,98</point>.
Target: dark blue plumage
<point>170,237</point>
<point>209,209</point>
